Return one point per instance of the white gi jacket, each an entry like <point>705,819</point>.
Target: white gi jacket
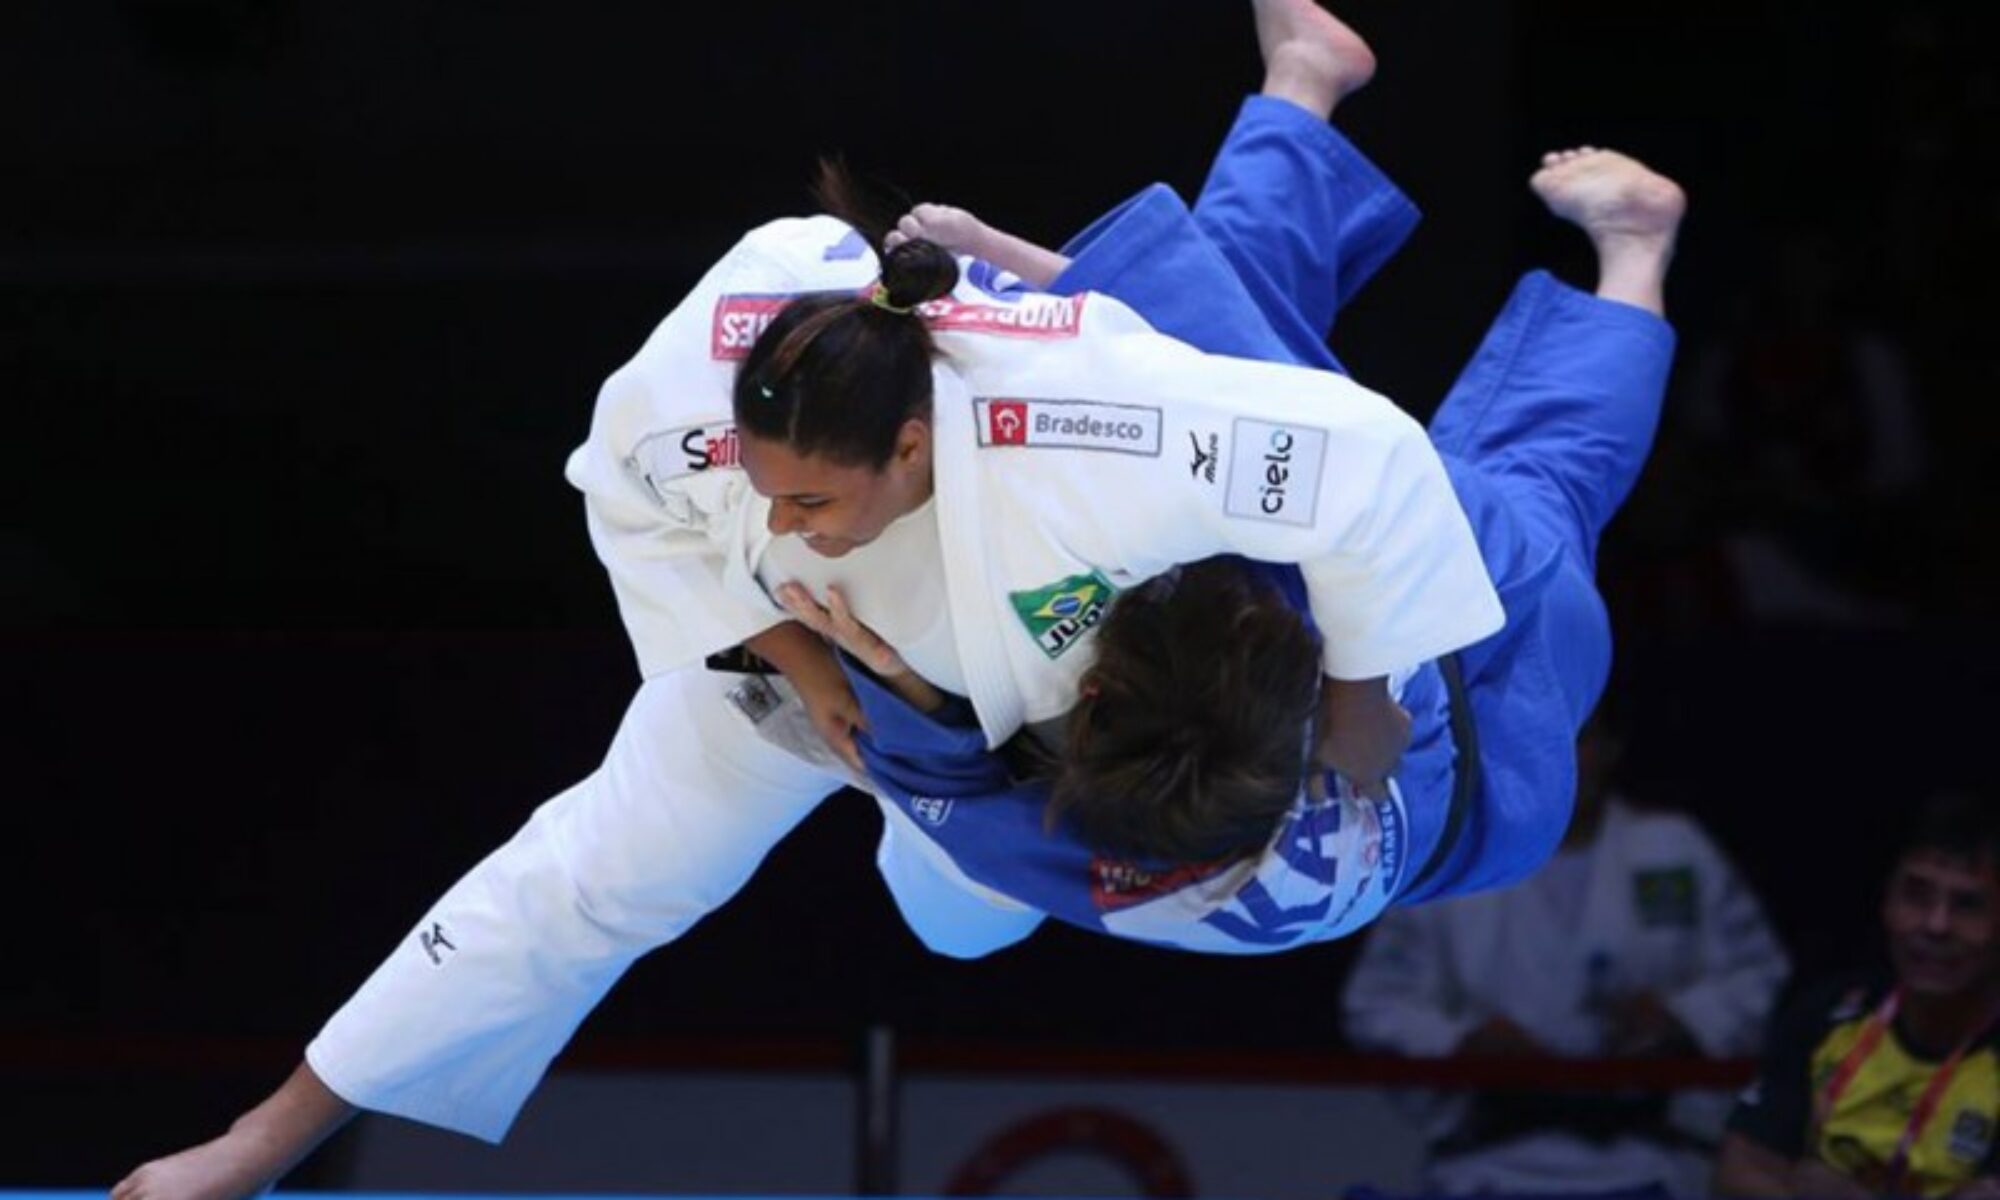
<point>1077,452</point>
<point>1658,908</point>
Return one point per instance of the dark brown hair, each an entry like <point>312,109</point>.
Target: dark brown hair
<point>836,374</point>
<point>1961,824</point>
<point>1190,741</point>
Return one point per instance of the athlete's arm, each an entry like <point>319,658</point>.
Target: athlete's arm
<point>802,657</point>
<point>1362,732</point>
<point>836,622</point>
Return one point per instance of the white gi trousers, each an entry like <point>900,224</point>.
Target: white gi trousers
<point>459,1024</point>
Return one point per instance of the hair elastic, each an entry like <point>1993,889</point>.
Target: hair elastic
<point>878,295</point>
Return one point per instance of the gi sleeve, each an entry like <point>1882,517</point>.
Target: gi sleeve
<point>1776,1109</point>
<point>1742,964</point>
<point>669,511</point>
<point>1287,464</point>
<point>1402,995</point>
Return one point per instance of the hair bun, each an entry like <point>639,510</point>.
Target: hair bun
<point>916,272</point>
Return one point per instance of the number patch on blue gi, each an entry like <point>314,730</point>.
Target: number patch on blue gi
<point>1274,472</point>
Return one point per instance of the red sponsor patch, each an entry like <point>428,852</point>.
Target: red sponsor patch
<point>708,446</point>
<point>1041,317</point>
<point>1115,884</point>
<point>738,322</point>
<point>1007,423</point>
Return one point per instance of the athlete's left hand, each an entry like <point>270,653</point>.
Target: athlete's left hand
<point>837,623</point>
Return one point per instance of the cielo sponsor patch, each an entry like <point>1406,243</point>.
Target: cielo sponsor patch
<point>1062,612</point>
<point>1274,471</point>
<point>1069,425</point>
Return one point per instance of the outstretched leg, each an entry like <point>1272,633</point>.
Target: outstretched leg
<point>1630,213</point>
<point>1292,221</point>
<point>456,1027</point>
<point>1303,217</point>
<point>1564,393</point>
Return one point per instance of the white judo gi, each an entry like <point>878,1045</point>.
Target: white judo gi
<point>1074,446</point>
<point>1077,452</point>
<point>1649,905</point>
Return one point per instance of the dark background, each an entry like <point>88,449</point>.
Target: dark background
<point>303,304</point>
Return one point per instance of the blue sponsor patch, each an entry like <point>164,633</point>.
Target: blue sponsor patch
<point>1390,815</point>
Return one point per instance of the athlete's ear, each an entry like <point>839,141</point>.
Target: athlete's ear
<point>913,444</point>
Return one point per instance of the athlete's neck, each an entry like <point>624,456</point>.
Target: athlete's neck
<point>1934,1025</point>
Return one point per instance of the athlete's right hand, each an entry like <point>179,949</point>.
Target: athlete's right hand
<point>830,703</point>
<point>1362,734</point>
<point>810,666</point>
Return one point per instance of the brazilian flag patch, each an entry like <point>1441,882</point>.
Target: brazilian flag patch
<point>1059,614</point>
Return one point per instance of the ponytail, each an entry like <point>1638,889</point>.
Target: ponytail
<point>837,375</point>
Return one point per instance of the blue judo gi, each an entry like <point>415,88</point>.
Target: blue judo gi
<point>1543,435</point>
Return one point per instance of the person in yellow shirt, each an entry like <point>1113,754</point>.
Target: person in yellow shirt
<point>1892,1086</point>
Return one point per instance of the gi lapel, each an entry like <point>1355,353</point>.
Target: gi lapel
<point>968,584</point>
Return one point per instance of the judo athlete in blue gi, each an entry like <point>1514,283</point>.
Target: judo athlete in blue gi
<point>1543,434</point>
<point>1548,427</point>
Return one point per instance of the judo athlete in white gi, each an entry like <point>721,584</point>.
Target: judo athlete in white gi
<point>708,771</point>
<point>1638,938</point>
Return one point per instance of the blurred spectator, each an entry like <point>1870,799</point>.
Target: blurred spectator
<point>1805,427</point>
<point>1891,1085</point>
<point>1637,939</point>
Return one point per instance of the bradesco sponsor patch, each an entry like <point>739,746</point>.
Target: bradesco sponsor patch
<point>1274,471</point>
<point>1069,425</point>
<point>738,322</point>
<point>1061,613</point>
<point>676,453</point>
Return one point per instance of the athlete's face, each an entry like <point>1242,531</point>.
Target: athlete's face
<point>1942,913</point>
<point>834,507</point>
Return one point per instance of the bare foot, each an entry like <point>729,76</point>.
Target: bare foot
<point>962,233</point>
<point>1630,212</point>
<point>232,1166</point>
<point>1311,58</point>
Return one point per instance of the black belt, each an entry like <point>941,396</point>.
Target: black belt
<point>1465,772</point>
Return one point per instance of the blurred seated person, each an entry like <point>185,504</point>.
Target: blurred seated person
<point>1637,939</point>
<point>1890,1085</point>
